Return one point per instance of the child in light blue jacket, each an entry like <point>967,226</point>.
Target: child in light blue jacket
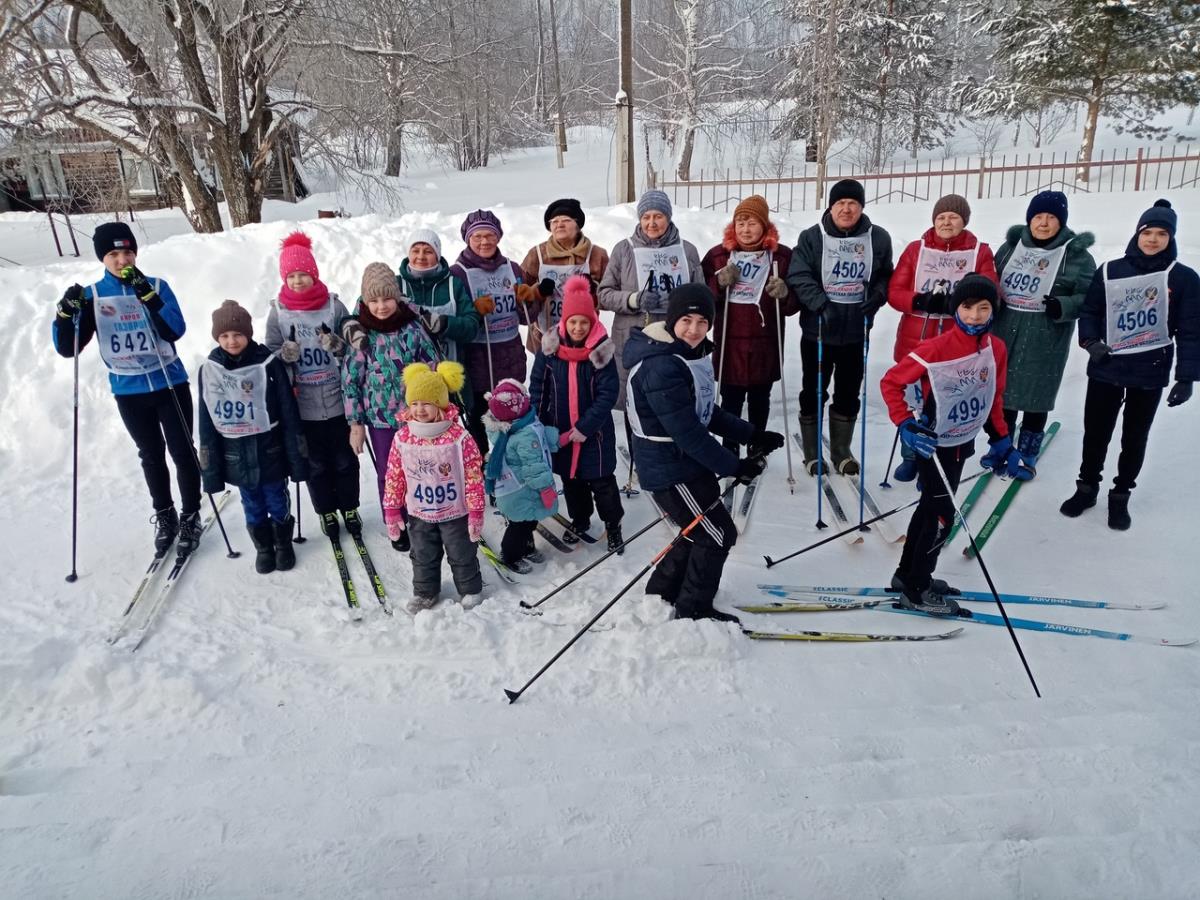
<point>518,472</point>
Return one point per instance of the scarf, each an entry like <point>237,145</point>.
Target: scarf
<point>429,430</point>
<point>495,463</point>
<point>403,315</point>
<point>469,259</point>
<point>669,238</point>
<point>574,354</point>
<point>578,253</point>
<point>304,301</point>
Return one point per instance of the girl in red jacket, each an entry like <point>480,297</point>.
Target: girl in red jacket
<point>961,373</point>
<point>924,280</point>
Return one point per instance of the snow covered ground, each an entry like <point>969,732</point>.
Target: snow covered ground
<point>260,746</point>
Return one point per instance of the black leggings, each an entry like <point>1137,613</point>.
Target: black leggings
<point>1100,411</point>
<point>1031,421</point>
<point>843,365</point>
<point>932,518</point>
<point>156,425</point>
<point>757,397</point>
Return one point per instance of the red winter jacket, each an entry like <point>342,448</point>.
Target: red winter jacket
<point>902,287</point>
<point>954,343</point>
<point>752,344</point>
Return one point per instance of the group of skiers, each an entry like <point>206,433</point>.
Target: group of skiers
<point>428,372</point>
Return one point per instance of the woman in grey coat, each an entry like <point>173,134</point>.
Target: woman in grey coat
<point>642,270</point>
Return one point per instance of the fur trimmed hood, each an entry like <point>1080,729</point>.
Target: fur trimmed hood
<point>599,356</point>
<point>770,238</point>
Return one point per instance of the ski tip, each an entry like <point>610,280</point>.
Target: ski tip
<point>512,696</point>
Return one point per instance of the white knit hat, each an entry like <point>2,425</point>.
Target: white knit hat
<point>426,236</point>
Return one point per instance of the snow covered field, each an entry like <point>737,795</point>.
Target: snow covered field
<point>261,746</point>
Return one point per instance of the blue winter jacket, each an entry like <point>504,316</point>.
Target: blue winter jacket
<point>1151,368</point>
<point>592,392</point>
<point>165,316</point>
<point>524,454</point>
<point>665,396</point>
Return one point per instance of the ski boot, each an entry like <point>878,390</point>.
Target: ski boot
<point>353,522</point>
<point>929,601</point>
<point>166,527</point>
<point>571,536</point>
<point>189,533</point>
<point>615,541</point>
<point>1029,445</point>
<point>285,555</point>
<point>330,526</point>
<point>263,539</point>
<point>935,584</point>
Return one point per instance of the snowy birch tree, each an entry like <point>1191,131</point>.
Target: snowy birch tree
<point>1128,60</point>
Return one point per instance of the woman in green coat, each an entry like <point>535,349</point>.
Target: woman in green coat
<point>1045,269</point>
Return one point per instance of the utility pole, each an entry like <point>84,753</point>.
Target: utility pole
<point>625,179</point>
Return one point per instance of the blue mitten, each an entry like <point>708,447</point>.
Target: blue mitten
<point>919,438</point>
<point>1004,460</point>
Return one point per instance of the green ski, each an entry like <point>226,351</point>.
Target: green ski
<point>972,498</point>
<point>1002,507</point>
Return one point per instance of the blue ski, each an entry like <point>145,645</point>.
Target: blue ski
<point>806,591</point>
<point>1036,625</point>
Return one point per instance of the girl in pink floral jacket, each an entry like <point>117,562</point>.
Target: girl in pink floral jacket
<point>434,487</point>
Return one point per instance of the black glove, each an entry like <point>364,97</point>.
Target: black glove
<point>763,442</point>
<point>750,468</point>
<point>1053,307</point>
<point>1098,350</point>
<point>546,287</point>
<point>142,288</point>
<point>72,302</point>
<point>935,304</point>
<point>1181,393</point>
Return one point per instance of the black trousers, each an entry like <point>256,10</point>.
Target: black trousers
<point>474,422</point>
<point>1031,421</point>
<point>584,496</point>
<point>759,399</point>
<point>333,482</point>
<point>1100,410</point>
<point>933,517</point>
<point>843,365</point>
<point>690,574</point>
<point>153,422</point>
<point>517,541</point>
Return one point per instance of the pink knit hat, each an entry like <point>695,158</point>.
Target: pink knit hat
<point>296,256</point>
<point>577,298</point>
<point>508,400</point>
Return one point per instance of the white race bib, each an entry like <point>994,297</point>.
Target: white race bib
<point>433,477</point>
<point>236,399</point>
<point>846,266</point>
<point>754,267</point>
<point>947,267</point>
<point>127,342</point>
<point>1029,275</point>
<point>660,269</point>
<point>1137,311</point>
<point>501,325</point>
<point>963,390</point>
<point>559,273</point>
<point>316,366</point>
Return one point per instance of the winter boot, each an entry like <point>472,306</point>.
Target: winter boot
<point>418,603</point>
<point>535,556</point>
<point>907,470</point>
<point>285,555</point>
<point>1118,510</point>
<point>1029,445</point>
<point>1084,498</point>
<point>929,601</point>
<point>615,540</point>
<point>811,445</point>
<point>402,544</point>
<point>841,436</point>
<point>329,525</point>
<point>572,534</point>
<point>520,566</point>
<point>263,539</point>
<point>470,601</point>
<point>353,522</point>
<point>189,533</point>
<point>166,526</point>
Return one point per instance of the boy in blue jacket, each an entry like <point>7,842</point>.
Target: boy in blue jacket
<point>137,321</point>
<point>673,414</point>
<point>1137,310</point>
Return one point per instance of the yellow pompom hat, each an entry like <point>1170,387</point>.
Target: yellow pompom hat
<point>425,385</point>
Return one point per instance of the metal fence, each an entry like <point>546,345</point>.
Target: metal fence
<point>1163,168</point>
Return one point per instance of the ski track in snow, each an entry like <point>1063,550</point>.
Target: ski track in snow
<point>260,745</point>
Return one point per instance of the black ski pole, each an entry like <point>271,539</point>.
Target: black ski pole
<point>845,531</point>
<point>299,538</point>
<point>987,575</point>
<point>513,696</point>
<point>187,429</point>
<point>74,576</point>
<point>629,540</point>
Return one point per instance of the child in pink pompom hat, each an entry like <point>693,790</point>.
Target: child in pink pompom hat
<point>574,387</point>
<point>518,472</point>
